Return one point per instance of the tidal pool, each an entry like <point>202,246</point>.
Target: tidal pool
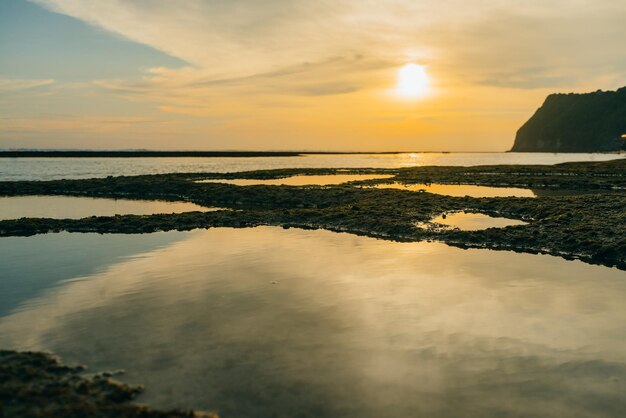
<point>461,190</point>
<point>267,322</point>
<point>556,192</point>
<point>70,207</point>
<point>321,180</point>
<point>472,221</point>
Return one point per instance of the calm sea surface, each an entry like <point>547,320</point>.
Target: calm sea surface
<point>267,322</point>
<point>72,168</point>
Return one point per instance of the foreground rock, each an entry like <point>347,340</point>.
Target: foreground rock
<point>591,122</point>
<point>36,385</point>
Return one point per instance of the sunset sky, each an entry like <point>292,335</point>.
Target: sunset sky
<point>295,74</point>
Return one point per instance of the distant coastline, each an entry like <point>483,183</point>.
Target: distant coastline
<point>218,154</point>
<point>139,154</point>
<point>162,154</point>
<point>44,153</point>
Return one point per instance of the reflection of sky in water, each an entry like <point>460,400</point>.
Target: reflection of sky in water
<point>71,207</point>
<point>472,221</point>
<point>461,190</point>
<point>270,322</point>
<point>72,168</point>
<point>321,180</point>
<point>30,265</point>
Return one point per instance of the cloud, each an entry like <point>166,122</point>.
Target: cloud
<point>66,123</point>
<point>338,75</point>
<point>523,50</point>
<point>93,131</point>
<point>271,68</point>
<point>485,42</point>
<point>12,85</point>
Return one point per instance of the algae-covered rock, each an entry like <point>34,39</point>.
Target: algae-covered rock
<point>37,385</point>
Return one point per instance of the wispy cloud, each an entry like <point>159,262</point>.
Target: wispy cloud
<point>337,75</point>
<point>12,85</point>
<point>253,36</point>
<point>269,68</point>
<point>66,123</point>
<point>249,42</point>
<point>103,131</point>
<point>520,49</point>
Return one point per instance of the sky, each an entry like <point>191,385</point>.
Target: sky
<point>295,74</point>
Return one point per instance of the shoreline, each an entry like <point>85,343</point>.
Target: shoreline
<point>590,227</point>
<point>37,384</point>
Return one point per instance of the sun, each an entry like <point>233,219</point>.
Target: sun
<point>413,81</point>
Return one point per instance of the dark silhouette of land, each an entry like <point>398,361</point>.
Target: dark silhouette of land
<point>44,153</point>
<point>590,122</point>
<point>140,153</point>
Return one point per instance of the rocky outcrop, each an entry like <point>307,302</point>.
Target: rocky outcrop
<point>590,122</point>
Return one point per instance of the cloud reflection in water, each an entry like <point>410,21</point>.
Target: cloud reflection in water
<point>269,322</point>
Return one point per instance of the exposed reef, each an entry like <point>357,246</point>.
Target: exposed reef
<point>590,226</point>
<point>590,122</point>
<point>36,385</point>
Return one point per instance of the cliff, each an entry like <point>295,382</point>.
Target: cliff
<point>590,122</point>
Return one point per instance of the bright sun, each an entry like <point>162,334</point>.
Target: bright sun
<point>412,81</point>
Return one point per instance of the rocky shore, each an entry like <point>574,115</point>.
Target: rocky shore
<point>37,385</point>
<point>588,224</point>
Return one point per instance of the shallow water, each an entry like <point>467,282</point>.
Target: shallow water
<point>461,190</point>
<point>72,168</point>
<point>70,207</point>
<point>30,265</point>
<point>473,221</point>
<point>268,322</point>
<point>322,180</point>
<point>556,192</point>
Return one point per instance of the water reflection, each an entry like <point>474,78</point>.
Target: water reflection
<point>322,180</point>
<point>555,192</point>
<point>470,221</point>
<point>280,323</point>
<point>461,190</point>
<point>74,168</point>
<point>70,207</point>
<point>31,265</point>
